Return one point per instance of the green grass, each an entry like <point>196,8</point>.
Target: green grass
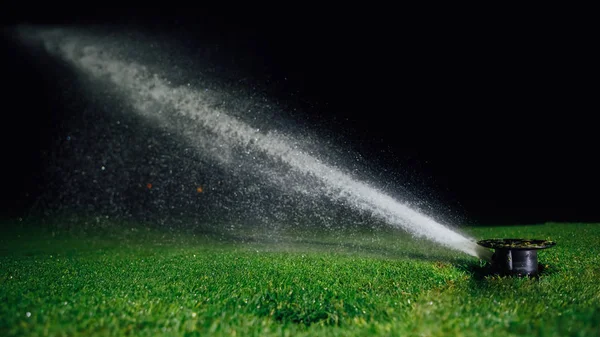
<point>147,283</point>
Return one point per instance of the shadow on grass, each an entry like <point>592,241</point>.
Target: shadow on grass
<point>382,251</point>
<point>350,247</point>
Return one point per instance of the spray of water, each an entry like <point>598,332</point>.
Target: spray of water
<point>217,133</point>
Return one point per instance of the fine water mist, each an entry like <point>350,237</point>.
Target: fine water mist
<point>239,142</point>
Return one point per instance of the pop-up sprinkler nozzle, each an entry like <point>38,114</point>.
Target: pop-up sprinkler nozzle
<point>516,256</point>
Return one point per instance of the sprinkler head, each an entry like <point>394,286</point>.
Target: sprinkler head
<point>516,256</point>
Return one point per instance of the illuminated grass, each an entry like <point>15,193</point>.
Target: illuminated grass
<point>152,284</point>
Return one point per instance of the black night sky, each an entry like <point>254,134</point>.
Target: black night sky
<point>493,118</point>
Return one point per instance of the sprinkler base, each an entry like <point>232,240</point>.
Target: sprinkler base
<point>516,257</point>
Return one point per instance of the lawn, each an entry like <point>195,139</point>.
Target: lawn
<point>144,282</point>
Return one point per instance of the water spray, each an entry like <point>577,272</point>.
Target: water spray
<point>155,98</point>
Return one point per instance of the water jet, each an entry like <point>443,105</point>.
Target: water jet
<point>230,138</point>
<point>516,257</point>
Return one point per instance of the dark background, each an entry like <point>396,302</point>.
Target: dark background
<point>492,116</point>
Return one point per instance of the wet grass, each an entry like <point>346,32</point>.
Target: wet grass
<point>135,281</point>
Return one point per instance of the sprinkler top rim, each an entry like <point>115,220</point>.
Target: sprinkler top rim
<point>516,244</point>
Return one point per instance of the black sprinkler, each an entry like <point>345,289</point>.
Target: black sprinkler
<point>516,256</point>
